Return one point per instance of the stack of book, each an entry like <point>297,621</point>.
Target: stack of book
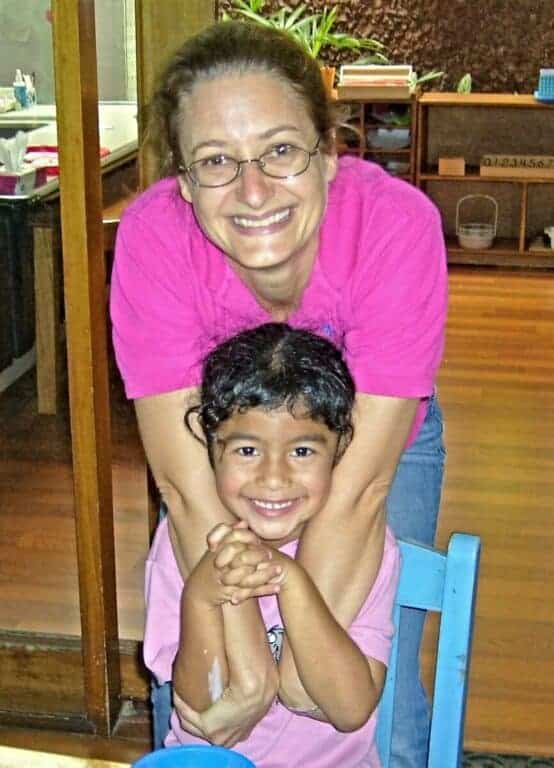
<point>375,81</point>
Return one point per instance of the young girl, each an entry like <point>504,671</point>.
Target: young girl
<point>275,415</point>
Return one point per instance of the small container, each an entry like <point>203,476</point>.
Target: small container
<point>545,91</point>
<point>29,81</point>
<point>20,90</point>
<point>194,756</point>
<point>21,182</point>
<point>452,166</point>
<point>388,138</point>
<point>476,235</point>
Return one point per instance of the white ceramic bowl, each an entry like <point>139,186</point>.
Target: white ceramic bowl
<point>388,138</point>
<point>397,166</point>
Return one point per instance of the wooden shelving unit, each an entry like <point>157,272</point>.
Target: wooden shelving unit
<point>472,125</point>
<point>355,140</point>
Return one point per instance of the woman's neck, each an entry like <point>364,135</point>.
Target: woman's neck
<point>279,290</point>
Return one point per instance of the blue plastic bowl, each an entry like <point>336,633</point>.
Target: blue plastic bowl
<point>194,756</point>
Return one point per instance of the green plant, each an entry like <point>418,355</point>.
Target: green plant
<point>312,31</point>
<point>285,19</point>
<point>416,81</point>
<point>464,84</point>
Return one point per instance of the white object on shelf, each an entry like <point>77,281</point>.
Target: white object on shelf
<point>476,235</point>
<point>379,74</point>
<point>397,166</point>
<point>388,138</point>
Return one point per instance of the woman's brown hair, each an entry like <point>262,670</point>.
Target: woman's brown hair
<point>232,47</point>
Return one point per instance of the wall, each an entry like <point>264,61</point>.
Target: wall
<point>503,43</point>
<point>26,42</point>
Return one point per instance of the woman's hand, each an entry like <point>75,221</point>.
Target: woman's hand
<point>245,566</point>
<point>229,720</point>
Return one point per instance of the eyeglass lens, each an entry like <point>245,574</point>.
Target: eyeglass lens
<point>280,162</point>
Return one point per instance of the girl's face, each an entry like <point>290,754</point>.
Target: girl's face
<point>261,223</point>
<point>274,470</point>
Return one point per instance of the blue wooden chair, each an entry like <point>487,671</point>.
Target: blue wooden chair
<point>445,582</point>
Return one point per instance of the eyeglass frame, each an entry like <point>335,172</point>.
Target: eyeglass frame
<point>257,160</point>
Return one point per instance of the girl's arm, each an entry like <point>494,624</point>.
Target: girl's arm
<point>184,477</point>
<point>213,647</point>
<point>201,658</point>
<point>341,548</point>
<point>340,683</point>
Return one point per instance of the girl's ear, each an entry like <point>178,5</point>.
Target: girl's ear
<point>192,421</point>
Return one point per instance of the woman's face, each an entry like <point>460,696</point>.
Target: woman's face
<point>259,222</point>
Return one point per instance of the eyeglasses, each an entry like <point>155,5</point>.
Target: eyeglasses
<point>283,161</point>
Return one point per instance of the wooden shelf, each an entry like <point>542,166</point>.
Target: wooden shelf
<point>501,245</point>
<point>496,258</point>
<point>476,176</point>
<point>445,128</point>
<point>403,151</point>
<point>510,100</point>
<point>361,120</point>
<point>344,148</point>
<point>374,100</point>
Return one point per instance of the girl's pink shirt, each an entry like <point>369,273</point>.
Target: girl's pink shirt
<point>378,288</point>
<point>281,739</point>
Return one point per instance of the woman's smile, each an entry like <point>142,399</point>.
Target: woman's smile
<point>263,225</point>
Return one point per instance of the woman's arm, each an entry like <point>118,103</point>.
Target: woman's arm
<point>341,548</point>
<point>338,679</point>
<point>182,472</point>
<point>185,479</point>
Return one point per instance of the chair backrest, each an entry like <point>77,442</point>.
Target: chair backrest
<point>445,582</point>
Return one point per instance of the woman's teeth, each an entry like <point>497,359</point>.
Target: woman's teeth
<point>275,218</point>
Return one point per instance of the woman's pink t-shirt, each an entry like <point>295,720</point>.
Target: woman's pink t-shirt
<point>378,288</point>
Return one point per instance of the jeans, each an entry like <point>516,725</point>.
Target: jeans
<point>160,698</point>
<point>412,512</point>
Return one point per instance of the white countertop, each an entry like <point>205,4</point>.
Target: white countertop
<point>117,130</point>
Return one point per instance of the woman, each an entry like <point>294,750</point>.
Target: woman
<point>258,220</point>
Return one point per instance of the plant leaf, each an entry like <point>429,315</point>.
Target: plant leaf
<point>464,84</point>
<point>295,15</point>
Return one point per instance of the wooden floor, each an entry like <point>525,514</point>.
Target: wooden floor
<point>38,576</point>
<point>497,391</point>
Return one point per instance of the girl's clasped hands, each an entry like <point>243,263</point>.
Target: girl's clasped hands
<point>244,567</point>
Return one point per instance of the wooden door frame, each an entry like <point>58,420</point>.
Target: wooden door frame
<point>75,70</point>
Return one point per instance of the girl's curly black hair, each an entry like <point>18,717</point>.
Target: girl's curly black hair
<point>271,366</point>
